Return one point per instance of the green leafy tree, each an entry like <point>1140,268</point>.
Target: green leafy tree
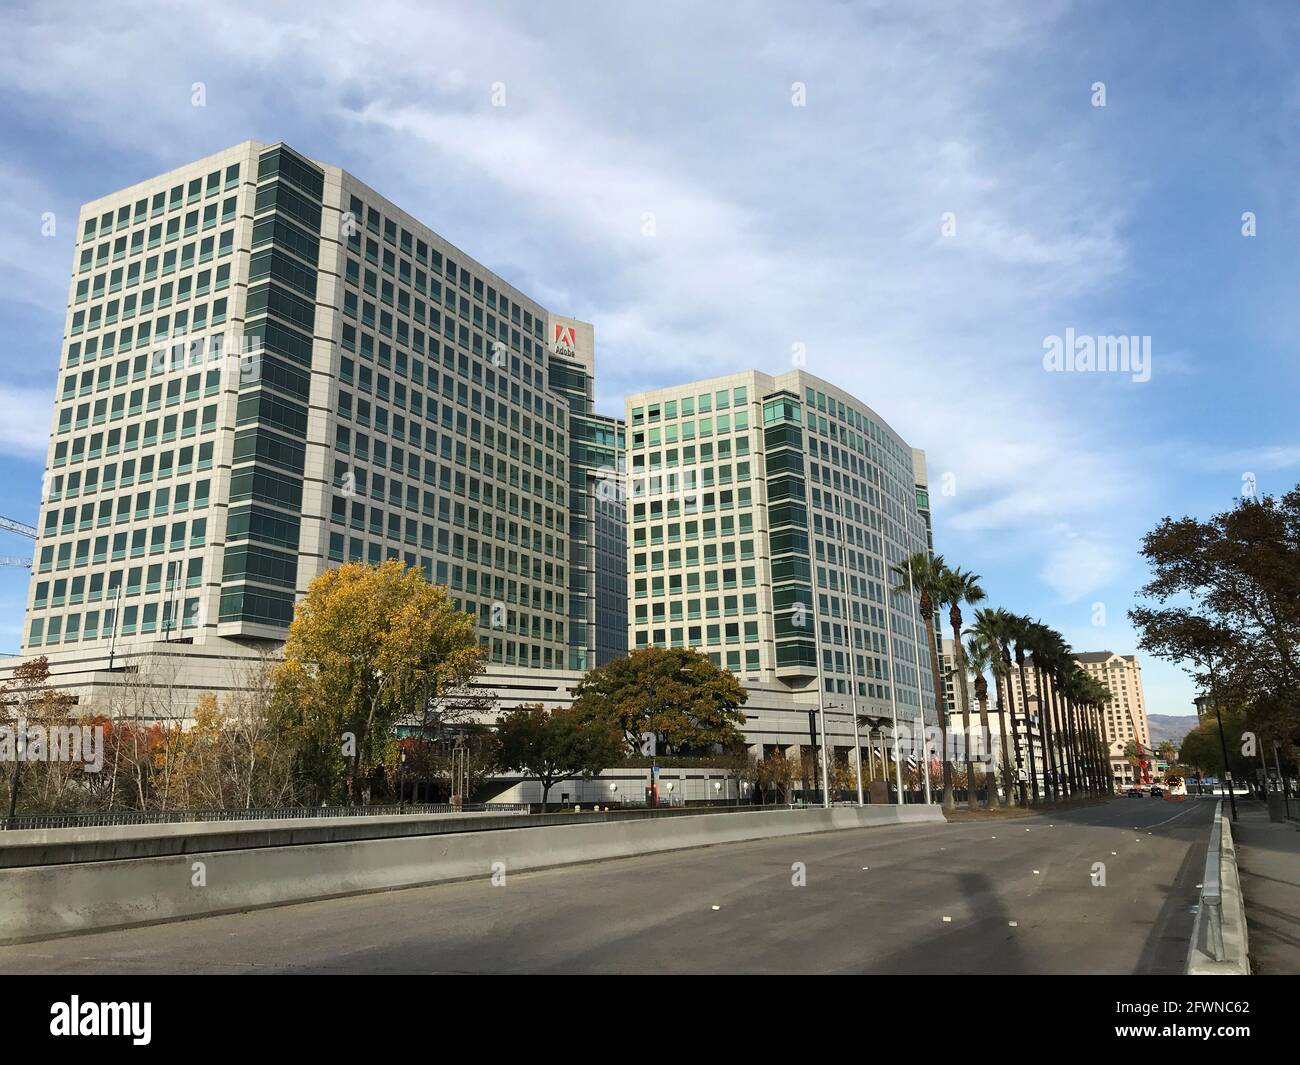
<point>553,745</point>
<point>683,699</point>
<point>1202,749</point>
<point>1224,602</point>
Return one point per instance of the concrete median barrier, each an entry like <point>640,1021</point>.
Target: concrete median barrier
<point>42,900</point>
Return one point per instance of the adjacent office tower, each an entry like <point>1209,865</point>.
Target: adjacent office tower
<point>268,369</point>
<point>764,514</point>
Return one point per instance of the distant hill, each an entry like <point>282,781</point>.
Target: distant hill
<point>1170,727</point>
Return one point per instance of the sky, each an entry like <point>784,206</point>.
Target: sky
<point>914,198</point>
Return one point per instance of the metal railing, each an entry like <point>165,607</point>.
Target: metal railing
<point>166,817</point>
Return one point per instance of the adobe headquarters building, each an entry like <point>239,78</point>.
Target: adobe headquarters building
<point>269,369</point>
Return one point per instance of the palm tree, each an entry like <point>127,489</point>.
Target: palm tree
<point>1080,691</point>
<point>1073,688</point>
<point>1087,696</point>
<point>980,657</point>
<point>1099,696</point>
<point>993,628</point>
<point>1062,660</point>
<point>921,575</point>
<point>1061,689</point>
<point>956,586</point>
<point>1020,637</point>
<point>1061,680</point>
<point>1044,646</point>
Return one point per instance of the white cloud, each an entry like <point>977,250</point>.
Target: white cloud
<point>1076,565</point>
<point>25,421</point>
<point>1264,457</point>
<point>37,227</point>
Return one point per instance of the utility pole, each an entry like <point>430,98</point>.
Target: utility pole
<point>1227,773</point>
<point>893,686</point>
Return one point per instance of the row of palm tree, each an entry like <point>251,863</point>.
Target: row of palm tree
<point>1071,726</point>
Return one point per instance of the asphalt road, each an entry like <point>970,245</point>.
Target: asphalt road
<point>1012,895</point>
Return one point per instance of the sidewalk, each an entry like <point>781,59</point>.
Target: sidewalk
<point>1268,860</point>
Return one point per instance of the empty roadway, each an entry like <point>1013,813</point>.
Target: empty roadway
<point>1018,895</point>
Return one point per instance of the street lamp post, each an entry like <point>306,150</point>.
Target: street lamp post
<point>893,680</point>
<point>925,755</point>
<point>826,776</point>
<point>1223,746</point>
<point>1281,780</point>
<point>857,748</point>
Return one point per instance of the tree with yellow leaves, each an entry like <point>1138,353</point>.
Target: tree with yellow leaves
<point>368,645</point>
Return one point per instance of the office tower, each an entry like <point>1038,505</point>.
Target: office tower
<point>764,514</point>
<point>268,368</point>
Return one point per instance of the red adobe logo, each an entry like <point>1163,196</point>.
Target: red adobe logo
<point>564,337</point>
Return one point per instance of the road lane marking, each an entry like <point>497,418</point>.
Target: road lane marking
<point>1176,816</point>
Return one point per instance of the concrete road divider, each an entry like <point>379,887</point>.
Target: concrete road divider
<point>40,900</point>
<point>1220,945</point>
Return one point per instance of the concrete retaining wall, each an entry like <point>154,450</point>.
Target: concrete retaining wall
<point>48,900</point>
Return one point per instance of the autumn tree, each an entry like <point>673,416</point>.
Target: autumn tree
<point>743,765</point>
<point>26,699</point>
<point>679,695</point>
<point>368,645</point>
<point>553,745</point>
<point>775,776</point>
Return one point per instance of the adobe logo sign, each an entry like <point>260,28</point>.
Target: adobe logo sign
<point>563,341</point>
